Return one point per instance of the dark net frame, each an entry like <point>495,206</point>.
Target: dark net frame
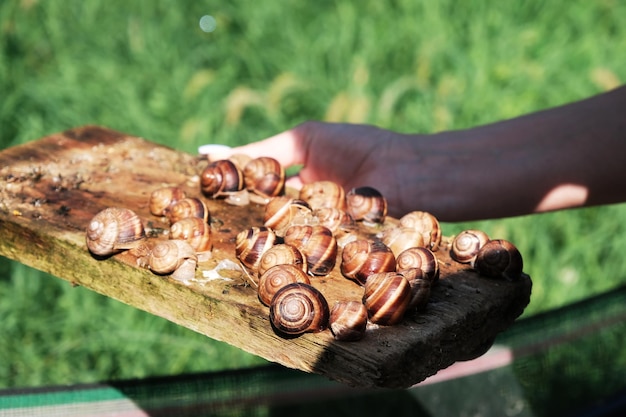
<point>569,361</point>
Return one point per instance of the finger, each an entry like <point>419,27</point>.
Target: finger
<point>285,148</point>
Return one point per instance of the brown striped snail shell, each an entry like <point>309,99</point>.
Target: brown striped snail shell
<point>465,245</point>
<point>113,230</point>
<point>366,204</point>
<point>189,207</point>
<point>282,211</point>
<point>386,297</point>
<point>324,194</point>
<point>282,254</point>
<point>252,243</point>
<point>333,218</point>
<point>499,258</point>
<point>174,257</point>
<point>427,224</point>
<point>194,231</point>
<point>348,320</point>
<point>163,198</point>
<point>420,288</point>
<point>400,238</point>
<point>220,178</point>
<point>299,308</point>
<point>317,243</point>
<point>264,176</point>
<point>421,258</point>
<point>361,258</point>
<point>277,277</point>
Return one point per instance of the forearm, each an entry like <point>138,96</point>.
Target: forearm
<point>569,156</point>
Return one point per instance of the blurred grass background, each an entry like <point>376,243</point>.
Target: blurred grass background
<point>148,69</point>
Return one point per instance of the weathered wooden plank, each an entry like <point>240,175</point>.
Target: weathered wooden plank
<point>52,187</point>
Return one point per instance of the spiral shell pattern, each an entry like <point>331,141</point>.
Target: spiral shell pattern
<point>251,244</point>
<point>401,238</point>
<point>113,230</point>
<point>386,297</point>
<point>317,243</point>
<point>324,194</point>
<point>366,204</point>
<point>163,198</point>
<point>282,211</point>
<point>421,258</point>
<point>299,308</point>
<point>264,176</point>
<point>499,258</point>
<point>361,258</point>
<point>194,231</point>
<point>277,277</point>
<point>348,321</point>
<point>426,224</point>
<point>188,207</point>
<point>221,177</point>
<point>282,254</point>
<point>466,245</point>
<point>168,255</point>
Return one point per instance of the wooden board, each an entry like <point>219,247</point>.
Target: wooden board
<point>52,187</point>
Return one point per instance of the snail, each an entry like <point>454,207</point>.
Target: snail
<point>277,277</point>
<point>335,219</point>
<point>366,204</point>
<point>400,238</point>
<point>113,230</point>
<point>499,258</point>
<point>317,243</point>
<point>465,245</point>
<point>298,308</point>
<point>251,244</point>
<point>264,176</point>
<point>386,297</point>
<point>220,178</point>
<point>282,211</point>
<point>281,254</point>
<point>163,198</point>
<point>425,223</point>
<point>323,194</point>
<point>361,258</point>
<point>420,288</point>
<point>194,231</point>
<point>348,320</point>
<point>189,207</point>
<point>421,258</point>
<point>174,257</point>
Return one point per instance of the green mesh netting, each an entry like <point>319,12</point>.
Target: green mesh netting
<point>566,362</point>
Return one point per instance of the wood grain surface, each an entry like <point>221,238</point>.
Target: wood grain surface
<point>50,189</point>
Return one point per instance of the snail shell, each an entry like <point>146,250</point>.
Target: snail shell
<point>282,211</point>
<point>386,297</point>
<point>333,218</point>
<point>466,245</point>
<point>400,238</point>
<point>421,258</point>
<point>175,257</point>
<point>221,177</point>
<point>361,258</point>
<point>189,207</point>
<point>324,194</point>
<point>425,223</point>
<point>282,254</point>
<point>317,243</point>
<point>298,308</point>
<point>163,198</point>
<point>264,176</point>
<point>194,231</point>
<point>348,320</point>
<point>113,230</point>
<point>420,288</point>
<point>366,204</point>
<point>499,258</point>
<point>277,277</point>
<point>251,244</point>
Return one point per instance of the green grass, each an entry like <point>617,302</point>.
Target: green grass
<point>146,68</point>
